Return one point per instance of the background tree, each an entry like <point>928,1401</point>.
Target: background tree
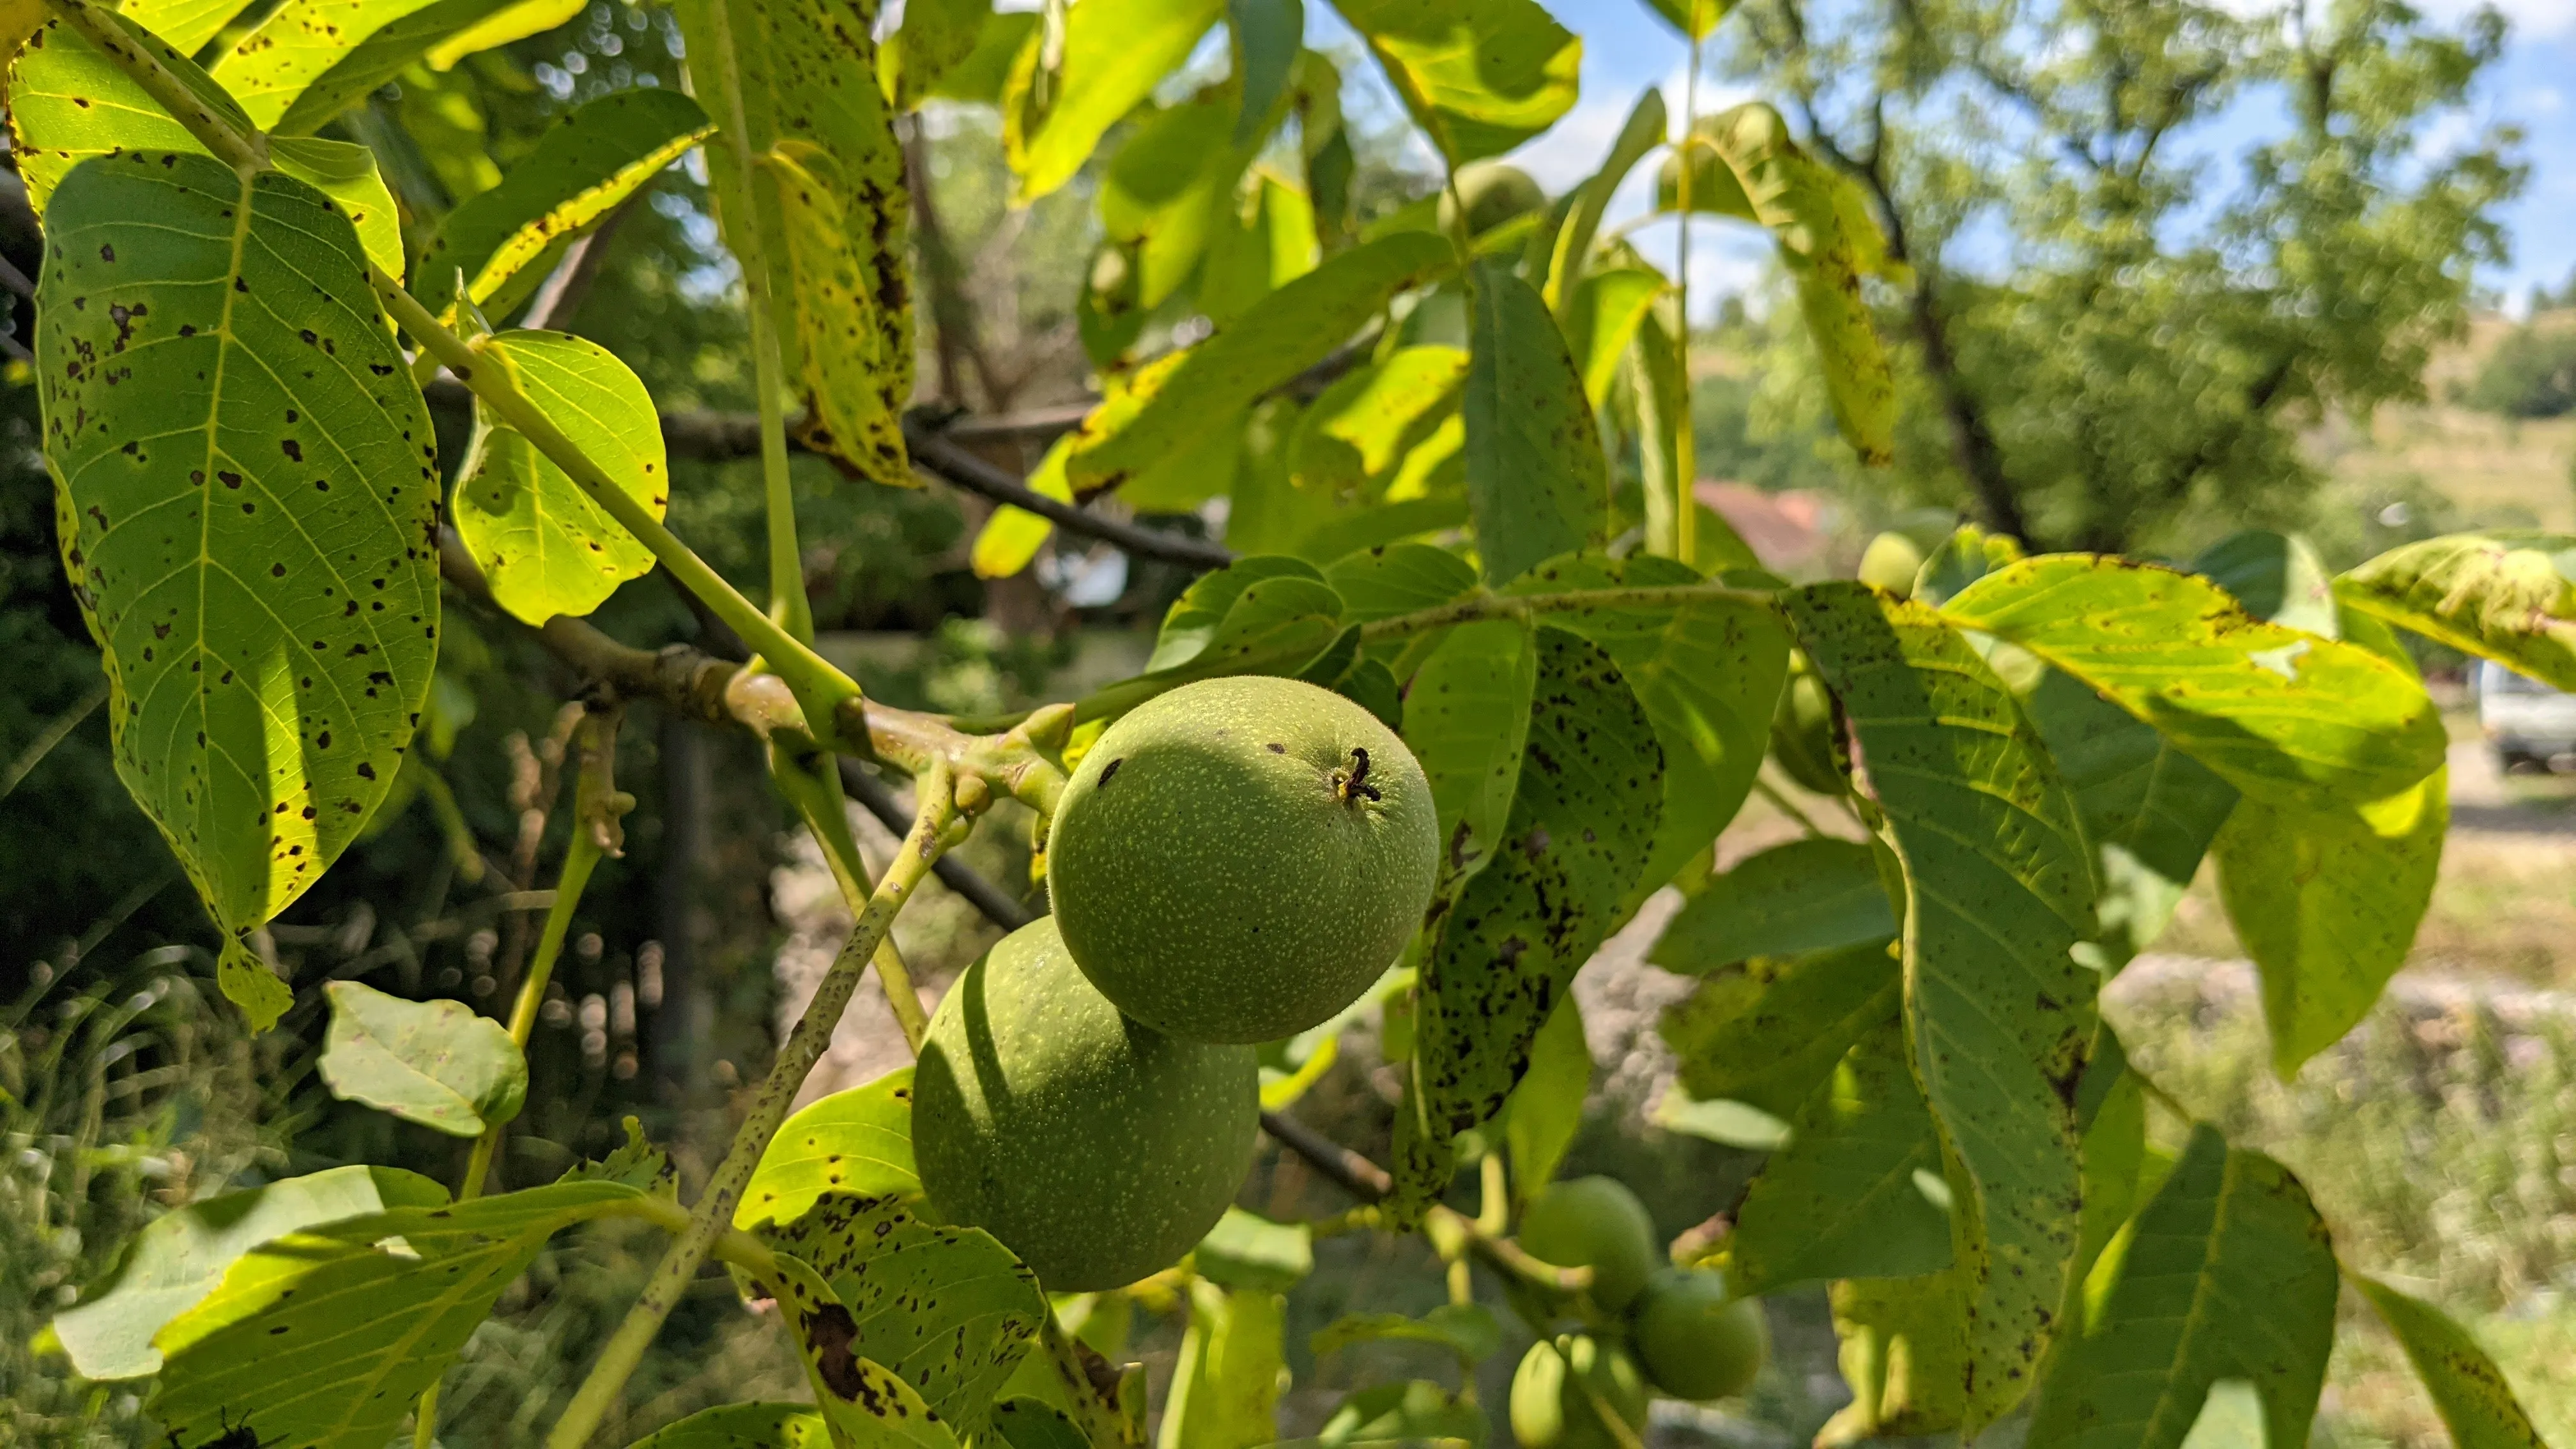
<point>2114,327</point>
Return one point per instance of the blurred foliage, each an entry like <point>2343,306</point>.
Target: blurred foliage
<point>2113,326</point>
<point>2531,373</point>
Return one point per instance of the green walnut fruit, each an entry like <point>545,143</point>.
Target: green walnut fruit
<point>1596,1223</point>
<point>1495,192</point>
<point>1239,859</point>
<point>1561,1389</point>
<point>1093,1146</point>
<point>1891,562</point>
<point>1696,1340</point>
<point>1802,731</point>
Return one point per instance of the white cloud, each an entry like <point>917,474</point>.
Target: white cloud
<point>2529,18</point>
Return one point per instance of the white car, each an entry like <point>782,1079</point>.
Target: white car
<point>2525,721</point>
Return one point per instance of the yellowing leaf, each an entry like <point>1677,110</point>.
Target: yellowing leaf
<point>1481,76</point>
<point>2509,596</point>
<point>313,59</point>
<point>1115,53</point>
<point>544,545</point>
<point>581,169</point>
<point>824,205</point>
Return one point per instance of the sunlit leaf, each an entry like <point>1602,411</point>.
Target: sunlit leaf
<point>184,25</point>
<point>2276,577</point>
<point>437,1063</point>
<point>541,541</point>
<point>2282,715</point>
<point>1164,191</point>
<point>1233,1363</point>
<point>1641,133</point>
<point>1286,332</point>
<point>1693,18</point>
<point>824,204</point>
<point>2509,596</point>
<point>1115,53</point>
<point>1904,1354</point>
<point>1481,76</point>
<point>313,59</point>
<point>1537,482</point>
<point>2466,1387</point>
<point>1858,1190</point>
<point>856,1141</point>
<point>1357,433</point>
<point>513,21</point>
<point>1257,249</point>
<point>582,168</point>
<point>1999,887</point>
<point>69,102</point>
<point>1601,318</point>
<point>257,558</point>
<point>179,1257</point>
<point>1246,1250</point>
<point>2227,1274</point>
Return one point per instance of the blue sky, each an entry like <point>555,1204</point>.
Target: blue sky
<point>1626,48</point>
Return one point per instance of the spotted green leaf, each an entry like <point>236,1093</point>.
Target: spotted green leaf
<point>181,1255</point>
<point>69,102</point>
<point>1807,895</point>
<point>2282,715</point>
<point>247,511</point>
<point>1285,333</point>
<point>1504,947</point>
<point>1858,1191</point>
<point>946,1309</point>
<point>1768,1032</point>
<point>1481,76</point>
<point>2509,596</point>
<point>856,1141</point>
<point>1999,888</point>
<point>546,547</point>
<point>1748,166</point>
<point>1538,484</point>
<point>313,59</point>
<point>2467,1388</point>
<point>1707,671</point>
<point>437,1063</point>
<point>862,1403</point>
<point>1027,1422</point>
<point>1466,718</point>
<point>2227,1274</point>
<point>823,205</point>
<point>1233,1361</point>
<point>322,1339</point>
<point>744,1426</point>
<point>936,37</point>
<point>582,168</point>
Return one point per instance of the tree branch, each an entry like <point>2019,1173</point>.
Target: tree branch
<point>997,904</point>
<point>936,455</point>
